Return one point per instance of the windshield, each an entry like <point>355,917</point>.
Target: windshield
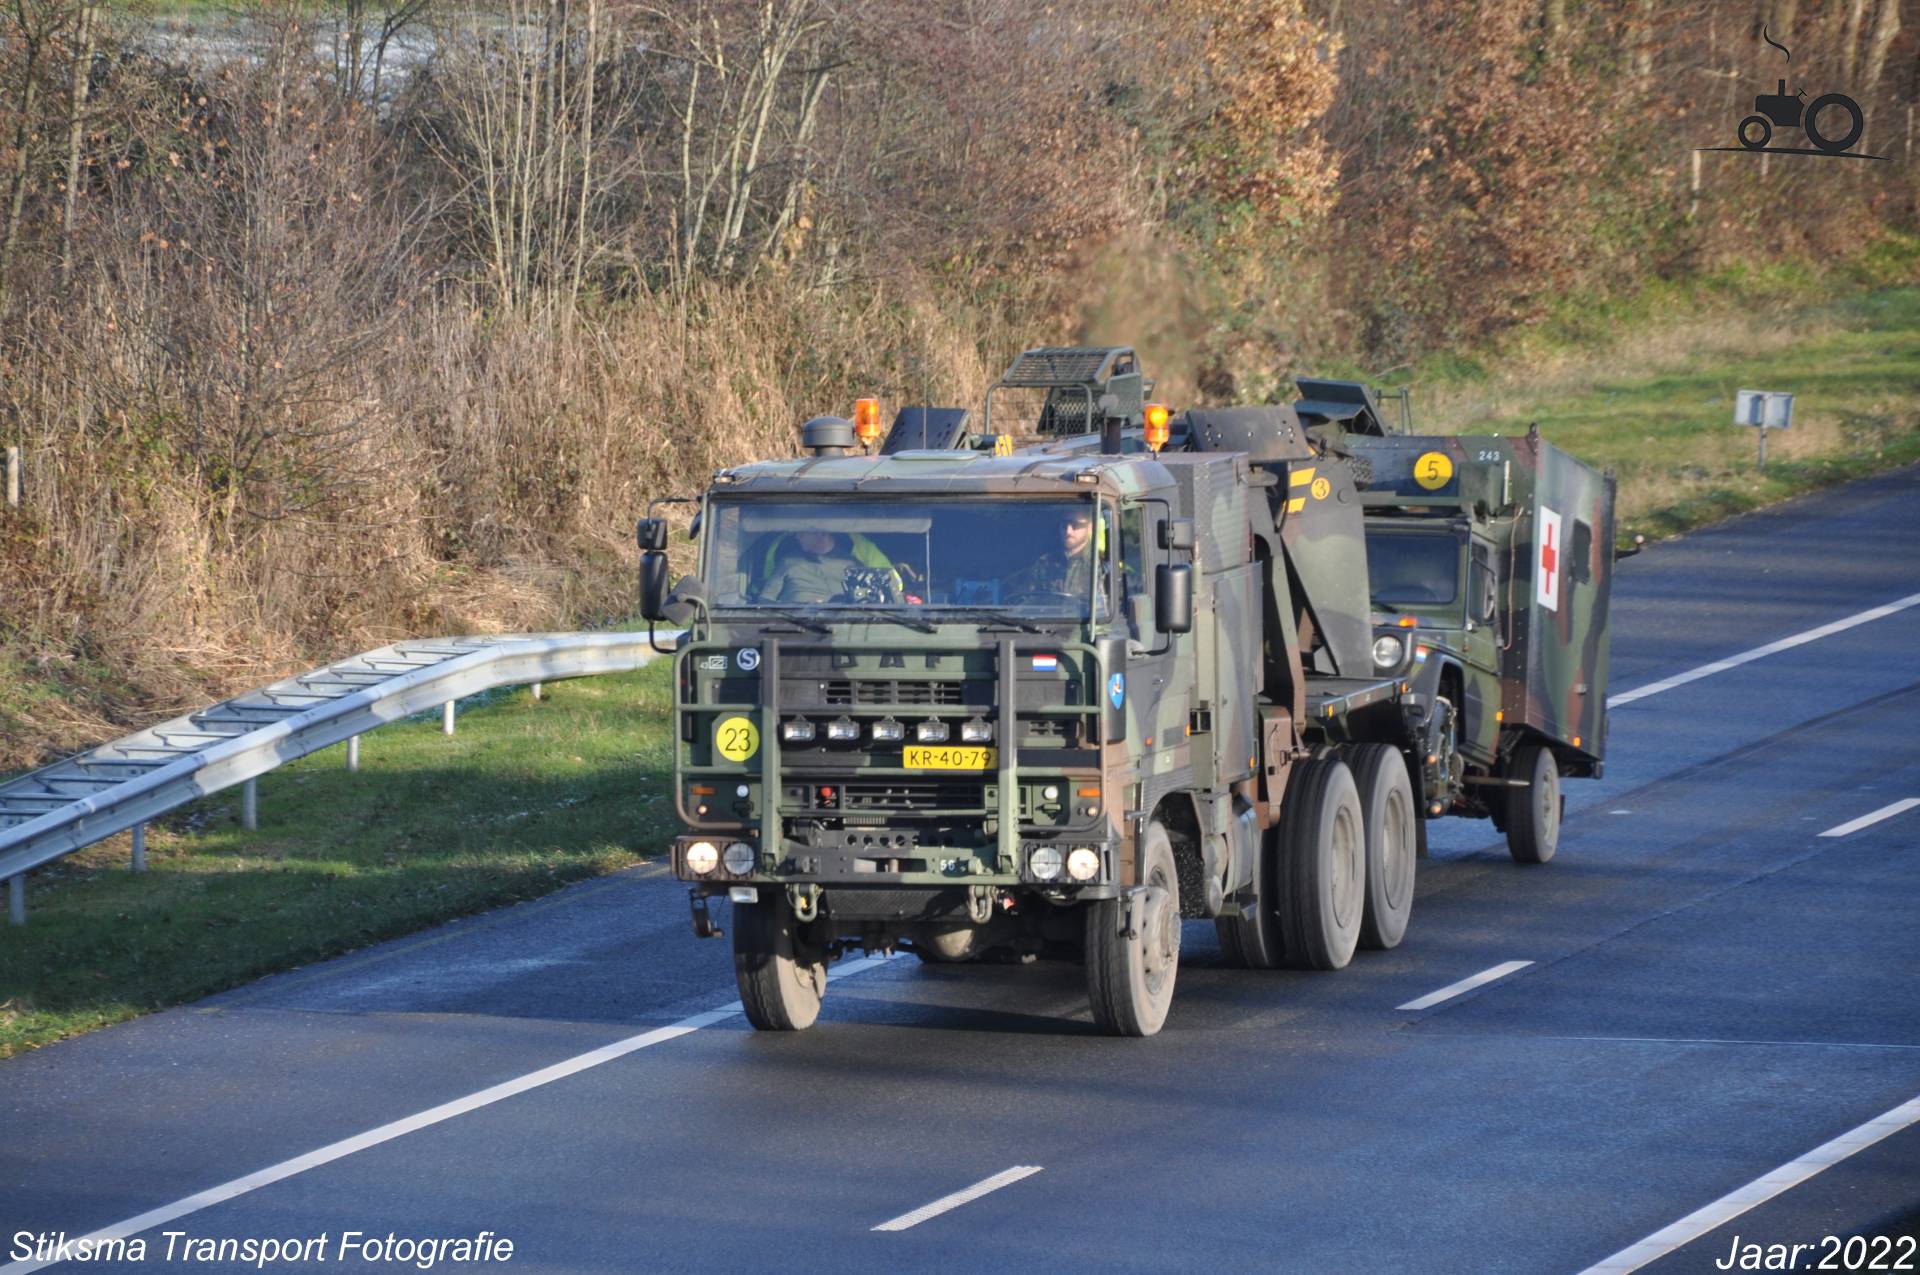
<point>1408,569</point>
<point>1033,557</point>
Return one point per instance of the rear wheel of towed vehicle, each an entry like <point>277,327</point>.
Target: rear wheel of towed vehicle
<point>1392,825</point>
<point>1533,812</point>
<point>1323,866</point>
<point>1130,972</point>
<point>782,975</point>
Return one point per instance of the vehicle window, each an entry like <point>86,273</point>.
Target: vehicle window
<point>1582,552</point>
<point>1413,569</point>
<point>1031,556</point>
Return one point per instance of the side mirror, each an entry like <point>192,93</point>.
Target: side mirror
<point>653,582</point>
<point>651,533</point>
<point>1177,533</point>
<point>1173,597</point>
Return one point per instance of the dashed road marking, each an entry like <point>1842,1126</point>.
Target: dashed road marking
<point>1759,1191</point>
<point>411,1124</point>
<point>1452,990</point>
<point>947,1203</point>
<point>1759,652</point>
<point>1873,817</point>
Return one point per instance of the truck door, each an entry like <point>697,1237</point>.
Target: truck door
<point>1157,707</point>
<point>1482,647</point>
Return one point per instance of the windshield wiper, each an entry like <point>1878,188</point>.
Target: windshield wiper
<point>792,617</point>
<point>1004,617</point>
<point>895,617</point>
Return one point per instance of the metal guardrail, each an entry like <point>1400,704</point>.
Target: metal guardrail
<point>71,804</point>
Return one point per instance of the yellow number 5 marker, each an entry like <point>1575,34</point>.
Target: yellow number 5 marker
<point>1433,470</point>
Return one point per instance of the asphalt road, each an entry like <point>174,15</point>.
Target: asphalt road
<point>1713,990</point>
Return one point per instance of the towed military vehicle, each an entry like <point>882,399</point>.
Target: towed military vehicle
<point>1046,687</point>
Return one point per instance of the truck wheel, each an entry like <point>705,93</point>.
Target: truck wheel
<point>1251,941</point>
<point>781,977</point>
<point>1533,812</point>
<point>1392,825</point>
<point>1323,866</point>
<point>1130,977</point>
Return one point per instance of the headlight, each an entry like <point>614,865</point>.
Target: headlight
<point>797,731</point>
<point>1387,652</point>
<point>1044,863</point>
<point>843,731</point>
<point>701,858</point>
<point>1084,863</point>
<point>888,731</point>
<point>931,731</point>
<point>739,858</point>
<point>976,731</point>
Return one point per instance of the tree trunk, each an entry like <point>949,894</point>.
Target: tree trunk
<point>23,145</point>
<point>76,129</point>
<point>1884,32</point>
<point>1850,40</point>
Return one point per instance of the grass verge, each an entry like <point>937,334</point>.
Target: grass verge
<point>524,798</point>
<point>1655,400</point>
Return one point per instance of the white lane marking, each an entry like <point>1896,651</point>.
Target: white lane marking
<point>1868,820</point>
<point>1759,652</point>
<point>1759,1191</point>
<point>1452,990</point>
<point>946,1203</point>
<point>410,1124</point>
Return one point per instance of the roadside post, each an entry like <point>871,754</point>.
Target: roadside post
<point>1764,410</point>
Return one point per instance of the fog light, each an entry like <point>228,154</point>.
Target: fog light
<point>976,731</point>
<point>1044,863</point>
<point>843,731</point>
<point>739,858</point>
<point>1387,652</point>
<point>931,731</point>
<point>797,731</point>
<point>888,731</point>
<point>702,857</point>
<point>1083,864</point>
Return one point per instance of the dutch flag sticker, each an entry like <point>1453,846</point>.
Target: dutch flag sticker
<point>1046,663</point>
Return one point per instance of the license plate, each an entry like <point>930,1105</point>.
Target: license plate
<point>961,758</point>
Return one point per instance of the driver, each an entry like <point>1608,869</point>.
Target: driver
<point>1065,569</point>
<point>813,568</point>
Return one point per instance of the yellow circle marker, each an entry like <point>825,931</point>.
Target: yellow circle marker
<point>1433,470</point>
<point>737,738</point>
<point>1320,488</point>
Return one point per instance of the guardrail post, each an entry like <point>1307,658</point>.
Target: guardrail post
<point>353,754</point>
<point>250,804</point>
<point>446,718</point>
<point>139,847</point>
<point>17,899</point>
<point>536,690</point>
<point>13,477</point>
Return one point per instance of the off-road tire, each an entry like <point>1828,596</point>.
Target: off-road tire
<point>782,978</point>
<point>1323,866</point>
<point>1392,822</point>
<point>1130,979</point>
<point>1533,812</point>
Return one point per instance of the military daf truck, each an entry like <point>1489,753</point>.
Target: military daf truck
<point>1046,686</point>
